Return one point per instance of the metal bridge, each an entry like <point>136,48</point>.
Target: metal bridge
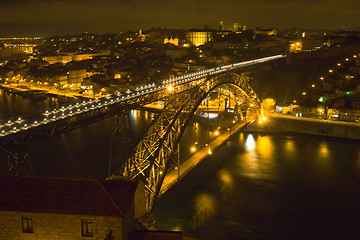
<point>153,156</point>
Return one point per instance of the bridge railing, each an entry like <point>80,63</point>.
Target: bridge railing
<point>11,127</point>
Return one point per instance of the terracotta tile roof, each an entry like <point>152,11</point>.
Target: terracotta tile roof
<point>66,196</point>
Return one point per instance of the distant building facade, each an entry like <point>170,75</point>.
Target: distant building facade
<point>238,27</point>
<point>171,40</point>
<point>199,37</point>
<point>266,31</point>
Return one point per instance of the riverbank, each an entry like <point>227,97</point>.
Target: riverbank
<point>36,92</point>
<point>284,123</point>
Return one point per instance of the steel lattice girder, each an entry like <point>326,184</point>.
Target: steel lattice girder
<point>152,156</point>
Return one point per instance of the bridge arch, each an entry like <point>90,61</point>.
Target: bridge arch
<point>154,154</point>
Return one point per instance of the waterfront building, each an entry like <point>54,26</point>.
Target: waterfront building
<point>76,76</point>
<point>58,59</point>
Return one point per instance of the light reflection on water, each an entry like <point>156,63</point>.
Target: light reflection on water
<point>269,187</point>
<point>204,209</point>
<point>226,184</point>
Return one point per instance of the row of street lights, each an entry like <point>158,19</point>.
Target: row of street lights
<point>331,71</point>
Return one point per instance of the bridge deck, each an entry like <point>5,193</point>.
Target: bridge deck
<point>189,164</point>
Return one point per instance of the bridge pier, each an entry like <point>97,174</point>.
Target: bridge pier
<point>119,142</point>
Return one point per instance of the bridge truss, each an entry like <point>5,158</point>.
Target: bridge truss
<point>154,154</point>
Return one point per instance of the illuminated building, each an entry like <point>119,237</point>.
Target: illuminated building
<point>221,26</point>
<point>141,36</point>
<point>58,59</point>
<point>199,37</point>
<point>295,46</point>
<point>174,41</point>
<point>266,31</point>
<point>81,57</point>
<point>239,27</point>
<point>59,81</point>
<point>68,58</point>
<point>76,76</point>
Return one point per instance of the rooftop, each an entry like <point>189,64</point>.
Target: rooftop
<point>66,196</point>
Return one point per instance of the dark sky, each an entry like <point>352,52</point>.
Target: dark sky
<point>48,17</point>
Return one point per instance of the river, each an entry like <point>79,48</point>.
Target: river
<point>276,186</point>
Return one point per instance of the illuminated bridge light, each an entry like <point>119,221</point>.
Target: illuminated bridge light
<point>196,76</point>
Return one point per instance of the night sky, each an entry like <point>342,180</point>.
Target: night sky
<point>48,17</point>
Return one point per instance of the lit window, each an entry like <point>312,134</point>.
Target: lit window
<point>87,229</point>
<point>27,224</point>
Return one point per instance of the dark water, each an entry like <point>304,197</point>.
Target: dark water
<point>83,152</point>
<point>255,187</point>
<point>270,187</point>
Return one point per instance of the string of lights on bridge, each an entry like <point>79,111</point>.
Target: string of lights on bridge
<point>14,126</point>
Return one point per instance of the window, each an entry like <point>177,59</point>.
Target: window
<point>87,228</point>
<point>27,224</point>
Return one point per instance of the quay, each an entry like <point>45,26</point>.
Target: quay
<point>320,127</point>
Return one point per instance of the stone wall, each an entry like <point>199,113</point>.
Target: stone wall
<point>309,126</point>
<point>57,226</point>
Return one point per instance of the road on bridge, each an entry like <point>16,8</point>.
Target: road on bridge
<point>173,176</point>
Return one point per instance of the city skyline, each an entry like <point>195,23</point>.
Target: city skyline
<point>45,18</point>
